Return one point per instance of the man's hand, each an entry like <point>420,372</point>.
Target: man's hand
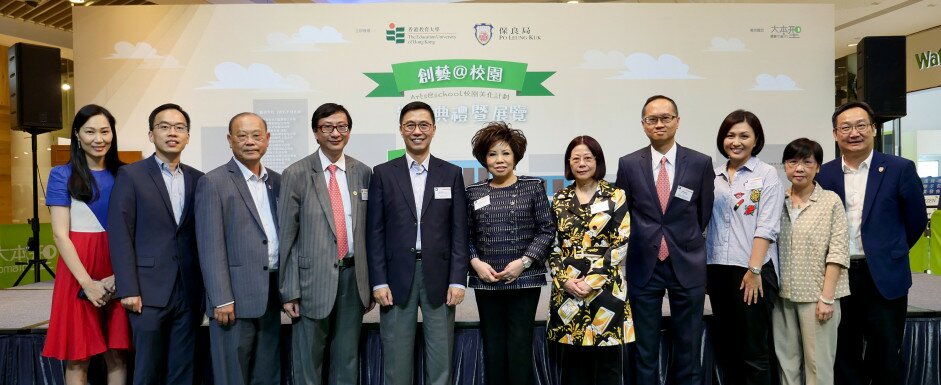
<point>292,308</point>
<point>455,296</point>
<point>383,296</point>
<point>224,315</point>
<point>132,304</point>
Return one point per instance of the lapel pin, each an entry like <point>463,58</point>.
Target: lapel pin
<point>881,168</point>
<point>354,192</point>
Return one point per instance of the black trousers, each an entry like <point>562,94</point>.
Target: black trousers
<point>506,327</point>
<point>591,365</point>
<point>868,349</point>
<point>741,332</point>
<point>165,340</point>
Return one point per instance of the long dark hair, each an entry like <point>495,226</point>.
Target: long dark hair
<point>82,185</point>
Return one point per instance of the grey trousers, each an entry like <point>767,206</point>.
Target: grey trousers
<point>801,340</point>
<point>397,328</point>
<point>340,331</point>
<point>248,352</point>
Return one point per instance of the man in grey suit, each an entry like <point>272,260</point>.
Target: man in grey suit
<point>238,255</point>
<point>324,281</point>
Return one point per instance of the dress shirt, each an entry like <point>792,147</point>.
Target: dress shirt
<point>258,187</point>
<point>855,186</point>
<point>747,208</point>
<point>344,194</point>
<point>419,174</point>
<point>655,157</point>
<point>816,237</point>
<point>176,187</point>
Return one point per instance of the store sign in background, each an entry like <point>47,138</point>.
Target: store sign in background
<point>923,60</point>
<point>13,239</point>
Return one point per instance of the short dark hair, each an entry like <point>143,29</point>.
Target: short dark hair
<point>164,107</point>
<point>596,151</point>
<point>736,117</point>
<point>854,104</point>
<point>655,97</point>
<point>802,148</point>
<point>416,106</point>
<point>496,132</point>
<point>327,109</point>
<point>244,114</point>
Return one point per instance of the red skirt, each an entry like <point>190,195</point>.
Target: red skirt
<point>78,329</point>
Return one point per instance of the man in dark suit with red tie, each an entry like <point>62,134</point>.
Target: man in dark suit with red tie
<point>669,193</point>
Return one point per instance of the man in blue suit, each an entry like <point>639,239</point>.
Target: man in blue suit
<point>416,227</point>
<point>152,237</point>
<point>669,193</point>
<point>885,208</point>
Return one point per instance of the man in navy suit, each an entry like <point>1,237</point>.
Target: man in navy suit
<point>885,208</point>
<point>417,250</point>
<point>670,193</point>
<point>152,237</point>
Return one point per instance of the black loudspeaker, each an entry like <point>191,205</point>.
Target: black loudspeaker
<point>880,81</point>
<point>35,90</point>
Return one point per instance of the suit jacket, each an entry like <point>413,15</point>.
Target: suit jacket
<point>308,241</point>
<point>891,227</point>
<point>683,224</point>
<point>391,225</point>
<point>233,247</point>
<point>148,249</point>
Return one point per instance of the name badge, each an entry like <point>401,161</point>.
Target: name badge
<point>364,194</point>
<point>598,207</point>
<point>482,202</point>
<point>753,183</point>
<point>442,193</point>
<point>684,193</point>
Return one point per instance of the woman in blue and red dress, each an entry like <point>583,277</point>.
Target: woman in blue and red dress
<point>85,322</point>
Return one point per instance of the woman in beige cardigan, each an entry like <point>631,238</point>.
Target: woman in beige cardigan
<point>814,255</point>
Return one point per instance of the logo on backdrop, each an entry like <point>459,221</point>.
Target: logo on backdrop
<point>420,35</point>
<point>785,31</point>
<point>395,34</point>
<point>483,32</point>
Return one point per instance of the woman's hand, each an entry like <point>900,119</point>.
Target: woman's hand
<point>97,293</point>
<point>824,311</point>
<point>751,283</point>
<point>109,283</point>
<point>484,271</point>
<point>511,272</point>
<point>577,287</point>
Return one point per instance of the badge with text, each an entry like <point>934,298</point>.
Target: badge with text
<point>442,193</point>
<point>364,194</point>
<point>482,202</point>
<point>598,207</point>
<point>753,183</point>
<point>684,193</point>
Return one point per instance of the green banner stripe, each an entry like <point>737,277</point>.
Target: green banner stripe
<point>459,73</point>
<point>385,85</point>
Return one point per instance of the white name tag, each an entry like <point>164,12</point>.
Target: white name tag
<point>482,202</point>
<point>364,194</point>
<point>753,183</point>
<point>684,193</point>
<point>598,207</point>
<point>442,193</point>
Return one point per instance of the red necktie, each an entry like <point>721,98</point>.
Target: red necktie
<point>339,217</point>
<point>663,192</point>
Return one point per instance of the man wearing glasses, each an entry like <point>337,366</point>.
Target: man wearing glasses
<point>152,238</point>
<point>324,284</point>
<point>886,213</point>
<point>417,226</point>
<point>670,192</point>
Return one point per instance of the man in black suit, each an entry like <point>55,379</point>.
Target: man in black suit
<point>417,241</point>
<point>152,237</point>
<point>670,191</point>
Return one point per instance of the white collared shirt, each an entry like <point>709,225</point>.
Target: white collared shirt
<point>655,157</point>
<point>855,182</point>
<point>344,193</point>
<point>419,175</point>
<point>176,187</point>
<point>258,187</point>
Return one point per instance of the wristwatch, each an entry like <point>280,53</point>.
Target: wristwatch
<point>527,262</point>
<point>754,270</point>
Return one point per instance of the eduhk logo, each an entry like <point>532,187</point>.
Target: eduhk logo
<point>395,34</point>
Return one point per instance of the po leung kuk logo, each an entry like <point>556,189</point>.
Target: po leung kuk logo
<point>483,32</point>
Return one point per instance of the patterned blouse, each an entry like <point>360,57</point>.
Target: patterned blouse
<point>818,236</point>
<point>506,224</point>
<point>592,244</point>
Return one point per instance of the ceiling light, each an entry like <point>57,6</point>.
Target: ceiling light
<point>77,1</point>
<point>66,86</point>
<point>852,45</point>
<point>572,1</point>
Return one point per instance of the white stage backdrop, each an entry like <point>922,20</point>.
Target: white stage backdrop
<point>553,70</point>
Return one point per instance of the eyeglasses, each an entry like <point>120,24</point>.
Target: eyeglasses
<point>862,128</point>
<point>423,126</point>
<point>586,160</point>
<point>807,163</point>
<point>328,128</point>
<point>242,138</point>
<point>652,120</point>
<point>166,127</point>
